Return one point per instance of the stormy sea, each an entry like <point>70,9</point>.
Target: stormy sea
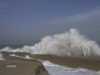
<point>69,53</point>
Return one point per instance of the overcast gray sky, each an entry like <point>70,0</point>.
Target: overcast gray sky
<point>26,21</point>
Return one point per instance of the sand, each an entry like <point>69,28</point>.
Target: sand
<point>19,66</point>
<point>74,62</point>
<point>34,67</point>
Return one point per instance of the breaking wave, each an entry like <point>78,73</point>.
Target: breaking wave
<point>70,43</point>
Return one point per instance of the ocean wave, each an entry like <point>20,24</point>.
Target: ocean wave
<point>70,43</point>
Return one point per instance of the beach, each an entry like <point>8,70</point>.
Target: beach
<point>74,62</point>
<point>19,63</point>
<point>19,66</point>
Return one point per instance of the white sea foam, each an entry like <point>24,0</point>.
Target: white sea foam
<point>23,57</point>
<point>1,58</point>
<point>70,43</point>
<point>8,49</point>
<point>54,69</point>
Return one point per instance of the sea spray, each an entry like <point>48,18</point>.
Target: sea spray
<point>70,43</point>
<point>54,69</point>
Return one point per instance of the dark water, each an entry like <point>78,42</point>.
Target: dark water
<point>12,46</point>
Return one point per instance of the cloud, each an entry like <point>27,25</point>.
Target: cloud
<point>92,17</point>
<point>87,23</point>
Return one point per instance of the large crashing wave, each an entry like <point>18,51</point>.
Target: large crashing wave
<point>69,43</point>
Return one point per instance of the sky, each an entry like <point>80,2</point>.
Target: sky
<point>27,21</point>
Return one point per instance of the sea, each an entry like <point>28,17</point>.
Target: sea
<point>70,43</point>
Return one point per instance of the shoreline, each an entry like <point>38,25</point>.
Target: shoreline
<point>73,62</point>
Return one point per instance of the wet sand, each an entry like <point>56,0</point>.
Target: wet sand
<point>34,67</point>
<point>75,62</point>
<point>19,66</point>
<point>92,63</point>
